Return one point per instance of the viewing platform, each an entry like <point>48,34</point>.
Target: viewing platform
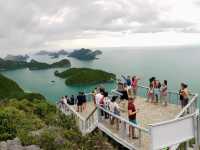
<point>150,115</point>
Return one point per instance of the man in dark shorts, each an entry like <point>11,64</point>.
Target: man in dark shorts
<point>132,116</point>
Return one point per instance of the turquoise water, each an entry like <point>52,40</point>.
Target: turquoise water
<point>176,64</point>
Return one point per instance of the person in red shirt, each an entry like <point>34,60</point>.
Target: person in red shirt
<point>132,116</point>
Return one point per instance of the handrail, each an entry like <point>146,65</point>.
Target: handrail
<point>124,120</point>
<point>91,113</point>
<point>169,91</point>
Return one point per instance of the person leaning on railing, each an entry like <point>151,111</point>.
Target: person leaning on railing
<point>184,94</point>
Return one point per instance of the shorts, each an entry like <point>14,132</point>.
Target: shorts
<point>134,121</point>
<point>79,103</point>
<point>157,92</point>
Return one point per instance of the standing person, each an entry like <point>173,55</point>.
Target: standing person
<point>127,80</point>
<point>72,100</point>
<point>184,95</point>
<point>124,96</point>
<point>114,108</point>
<point>93,95</point>
<point>150,95</point>
<point>99,96</point>
<point>134,84</point>
<point>100,99</point>
<point>132,116</point>
<point>106,104</point>
<point>181,95</point>
<point>84,101</point>
<point>128,83</point>
<point>120,85</point>
<point>157,87</point>
<point>164,92</point>
<point>79,102</point>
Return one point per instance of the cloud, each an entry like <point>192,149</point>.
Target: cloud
<point>39,23</point>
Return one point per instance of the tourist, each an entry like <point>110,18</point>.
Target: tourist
<point>128,83</point>
<point>84,101</point>
<point>124,92</point>
<point>157,86</point>
<point>99,96</point>
<point>124,96</point>
<point>134,84</point>
<point>150,95</point>
<point>72,100</point>
<point>164,92</point>
<point>114,108</point>
<point>184,95</point>
<point>61,103</point>
<point>100,99</point>
<point>106,104</point>
<point>120,85</point>
<point>93,95</point>
<point>132,116</point>
<point>153,81</point>
<point>79,102</point>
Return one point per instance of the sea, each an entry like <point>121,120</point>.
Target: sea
<point>176,64</point>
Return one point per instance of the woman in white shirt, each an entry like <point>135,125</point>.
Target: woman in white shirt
<point>114,108</point>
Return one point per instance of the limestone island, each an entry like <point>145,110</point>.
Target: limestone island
<point>84,76</point>
<point>32,65</point>
<point>53,54</point>
<point>85,54</point>
<point>18,58</point>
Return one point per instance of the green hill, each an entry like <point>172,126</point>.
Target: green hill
<point>75,76</point>
<point>10,89</point>
<point>32,65</point>
<point>36,122</point>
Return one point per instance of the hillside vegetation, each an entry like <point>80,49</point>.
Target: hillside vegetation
<point>75,76</point>
<point>36,122</point>
<point>10,89</point>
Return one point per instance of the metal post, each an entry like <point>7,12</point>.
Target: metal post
<point>140,137</point>
<point>124,129</point>
<point>99,118</point>
<point>196,122</point>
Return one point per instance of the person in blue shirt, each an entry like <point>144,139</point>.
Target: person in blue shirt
<point>128,84</point>
<point>127,80</point>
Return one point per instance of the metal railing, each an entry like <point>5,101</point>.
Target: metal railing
<point>122,126</point>
<point>86,125</point>
<point>173,98</point>
<point>89,123</point>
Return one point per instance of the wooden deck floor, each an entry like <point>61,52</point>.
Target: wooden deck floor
<point>149,113</point>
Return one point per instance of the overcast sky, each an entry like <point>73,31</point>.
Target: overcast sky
<point>28,25</point>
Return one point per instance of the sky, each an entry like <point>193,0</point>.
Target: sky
<point>32,25</point>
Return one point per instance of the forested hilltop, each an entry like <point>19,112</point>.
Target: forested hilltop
<point>76,76</point>
<point>32,65</point>
<point>36,122</point>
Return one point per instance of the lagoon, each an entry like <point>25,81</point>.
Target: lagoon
<point>176,64</point>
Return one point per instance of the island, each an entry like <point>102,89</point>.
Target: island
<point>81,76</point>
<point>85,54</point>
<point>53,54</point>
<point>18,58</point>
<point>32,65</point>
<point>30,122</point>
